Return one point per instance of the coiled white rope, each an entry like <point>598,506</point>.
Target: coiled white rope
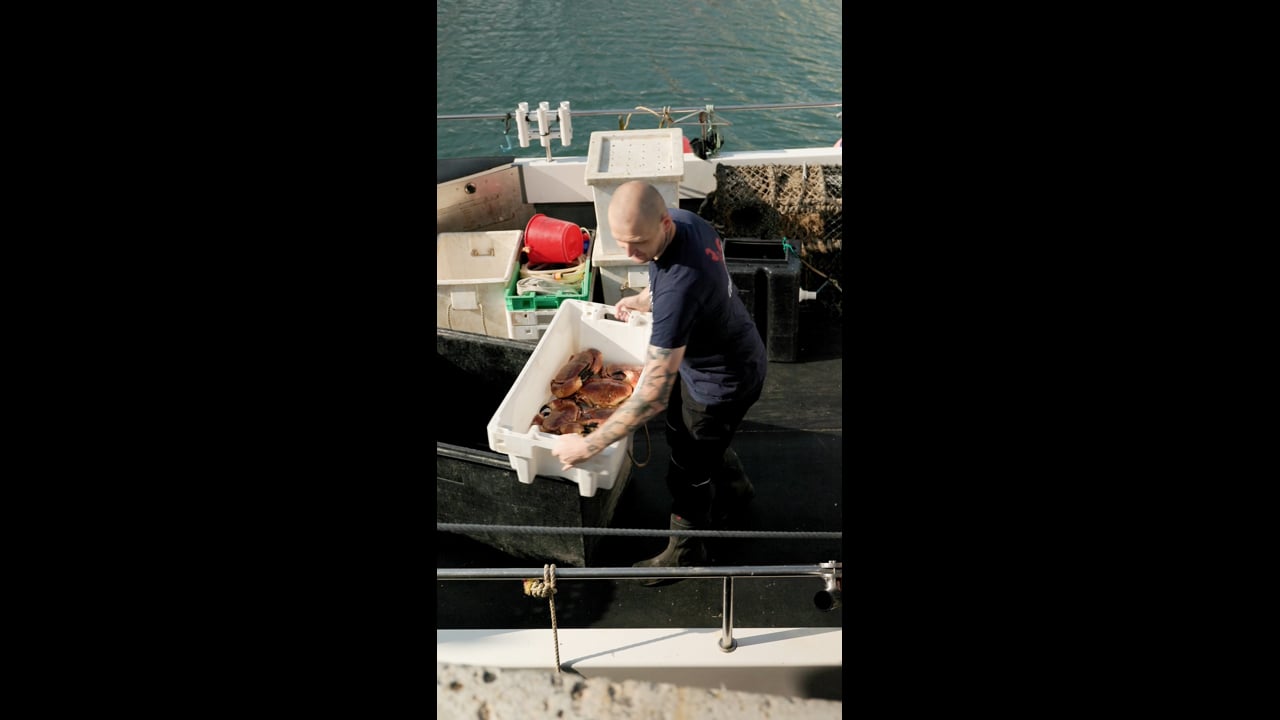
<point>543,280</point>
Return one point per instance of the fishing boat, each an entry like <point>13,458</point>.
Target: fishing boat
<point>765,614</point>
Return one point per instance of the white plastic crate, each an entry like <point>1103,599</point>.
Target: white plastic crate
<point>473,270</point>
<point>577,325</point>
<point>619,156</point>
<point>529,324</point>
<point>619,276</point>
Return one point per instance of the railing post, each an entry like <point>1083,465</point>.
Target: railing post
<point>727,643</point>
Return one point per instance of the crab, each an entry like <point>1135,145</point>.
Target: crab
<point>592,418</point>
<point>559,417</point>
<point>585,393</point>
<point>604,392</point>
<point>575,372</point>
<point>630,374</point>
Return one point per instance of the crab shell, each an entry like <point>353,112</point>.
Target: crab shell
<point>604,392</point>
<point>592,418</point>
<point>559,417</point>
<point>574,373</point>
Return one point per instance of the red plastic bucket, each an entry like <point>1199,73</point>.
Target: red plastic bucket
<point>554,242</point>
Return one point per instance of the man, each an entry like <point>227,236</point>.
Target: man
<point>705,365</point>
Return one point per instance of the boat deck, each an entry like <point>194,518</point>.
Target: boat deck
<point>791,446</point>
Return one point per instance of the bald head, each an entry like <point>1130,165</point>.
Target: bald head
<point>636,209</point>
<point>639,221</point>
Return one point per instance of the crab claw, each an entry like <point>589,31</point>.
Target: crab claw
<point>561,417</point>
<point>629,374</point>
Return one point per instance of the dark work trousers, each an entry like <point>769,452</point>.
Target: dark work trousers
<point>698,435</point>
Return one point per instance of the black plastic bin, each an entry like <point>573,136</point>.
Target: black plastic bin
<point>767,276</point>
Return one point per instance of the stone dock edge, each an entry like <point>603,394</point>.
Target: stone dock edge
<point>470,692</point>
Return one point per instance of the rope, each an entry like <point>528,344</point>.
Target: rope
<point>543,286</point>
<point>834,283</point>
<point>552,279</point>
<point>483,323</point>
<point>649,441</point>
<point>546,588</point>
<point>663,117</point>
<point>707,142</point>
<point>634,532</point>
<point>560,273</point>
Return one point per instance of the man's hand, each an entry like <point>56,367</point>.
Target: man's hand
<point>624,306</point>
<point>571,449</point>
<point>640,302</point>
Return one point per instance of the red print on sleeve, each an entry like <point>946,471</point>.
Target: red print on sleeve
<point>712,253</point>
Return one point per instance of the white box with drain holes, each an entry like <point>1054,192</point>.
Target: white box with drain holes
<point>617,157</point>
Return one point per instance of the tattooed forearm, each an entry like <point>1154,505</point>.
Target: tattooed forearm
<point>628,418</point>
<point>648,399</point>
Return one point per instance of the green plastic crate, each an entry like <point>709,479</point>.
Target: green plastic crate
<point>534,301</point>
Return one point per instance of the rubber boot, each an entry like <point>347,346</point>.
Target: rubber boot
<point>680,552</point>
<point>733,488</point>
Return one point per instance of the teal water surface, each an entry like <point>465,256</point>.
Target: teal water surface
<point>490,56</point>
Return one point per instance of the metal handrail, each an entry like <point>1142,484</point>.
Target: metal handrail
<point>828,598</point>
<point>631,573</point>
<point>718,108</point>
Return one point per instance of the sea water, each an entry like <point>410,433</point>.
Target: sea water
<point>491,56</point>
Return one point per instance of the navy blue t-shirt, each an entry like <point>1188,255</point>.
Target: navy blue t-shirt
<point>695,305</point>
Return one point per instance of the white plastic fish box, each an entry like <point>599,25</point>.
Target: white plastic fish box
<point>620,276</point>
<point>529,325</point>
<point>619,156</point>
<point>577,325</point>
<point>473,270</point>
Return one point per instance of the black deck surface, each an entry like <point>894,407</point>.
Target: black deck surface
<point>791,447</point>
